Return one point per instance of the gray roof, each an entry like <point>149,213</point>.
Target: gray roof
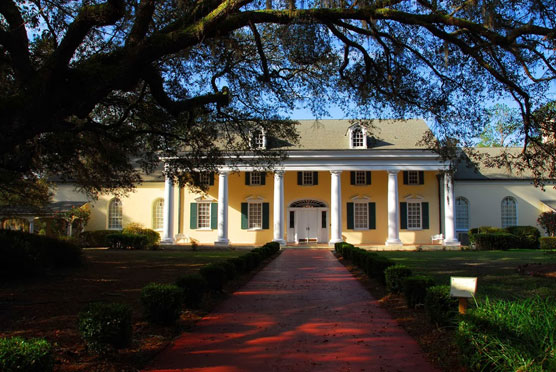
<point>479,171</point>
<point>381,134</point>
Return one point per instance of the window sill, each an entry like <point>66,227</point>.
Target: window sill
<point>204,229</point>
<point>255,229</point>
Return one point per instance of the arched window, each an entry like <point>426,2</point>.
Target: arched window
<point>158,214</point>
<point>115,214</point>
<point>509,211</point>
<point>462,214</point>
<point>357,139</point>
<point>258,139</point>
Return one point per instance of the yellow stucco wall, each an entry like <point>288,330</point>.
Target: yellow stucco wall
<point>485,198</point>
<point>138,206</point>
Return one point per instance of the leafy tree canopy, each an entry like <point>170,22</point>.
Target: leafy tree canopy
<point>502,127</point>
<point>92,89</point>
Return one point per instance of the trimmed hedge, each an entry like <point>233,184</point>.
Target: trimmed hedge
<point>153,237</point>
<point>371,263</point>
<point>496,241</point>
<point>127,241</point>
<point>95,238</point>
<point>517,335</point>
<point>230,269</point>
<point>548,243</point>
<point>415,289</point>
<point>394,277</point>
<point>23,254</point>
<point>106,326</point>
<point>528,236</point>
<point>194,287</point>
<point>162,302</point>
<point>215,275</point>
<point>440,307</point>
<point>20,355</point>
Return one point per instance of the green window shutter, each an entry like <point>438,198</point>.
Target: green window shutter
<point>263,178</point>
<point>315,178</point>
<point>211,179</point>
<point>300,178</point>
<point>403,216</point>
<point>266,215</point>
<point>372,216</point>
<point>352,178</point>
<point>368,178</point>
<point>349,214</point>
<point>247,178</point>
<point>193,216</point>
<point>405,177</point>
<point>421,178</point>
<point>425,215</point>
<point>214,216</point>
<point>244,211</point>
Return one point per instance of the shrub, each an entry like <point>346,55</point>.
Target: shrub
<point>483,230</point>
<point>153,237</point>
<point>415,289</point>
<point>377,265</point>
<point>274,246</point>
<point>127,241</point>
<point>230,269</point>
<point>339,247</point>
<point>24,254</point>
<point>440,307</point>
<point>528,236</point>
<point>18,354</point>
<point>241,263</point>
<point>547,220</point>
<point>517,335</point>
<point>394,276</point>
<point>95,238</point>
<point>106,326</point>
<point>194,287</point>
<point>496,241</point>
<point>161,302</point>
<point>215,275</point>
<point>548,243</point>
<point>253,259</point>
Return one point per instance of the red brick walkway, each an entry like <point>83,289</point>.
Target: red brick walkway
<point>302,312</point>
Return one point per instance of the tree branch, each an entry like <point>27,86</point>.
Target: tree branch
<point>15,40</point>
<point>89,17</point>
<point>142,21</point>
<point>155,82</point>
<point>259,44</point>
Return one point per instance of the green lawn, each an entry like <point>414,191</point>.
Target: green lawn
<point>496,270</point>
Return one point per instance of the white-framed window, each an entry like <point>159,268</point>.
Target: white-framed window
<point>357,137</point>
<point>255,216</point>
<point>115,215</point>
<point>360,178</point>
<point>462,214</point>
<point>509,211</point>
<point>158,214</point>
<point>412,177</point>
<point>256,178</point>
<point>308,178</point>
<point>258,139</point>
<point>361,216</point>
<point>414,216</point>
<point>203,215</point>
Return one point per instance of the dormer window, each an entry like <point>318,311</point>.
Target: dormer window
<point>258,139</point>
<point>358,137</point>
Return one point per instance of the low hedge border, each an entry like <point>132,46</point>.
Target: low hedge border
<point>105,326</point>
<point>18,354</point>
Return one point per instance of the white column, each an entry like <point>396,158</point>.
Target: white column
<point>449,209</point>
<point>336,207</point>
<point>393,209</point>
<point>31,224</point>
<point>168,226</point>
<point>222,209</point>
<point>279,207</point>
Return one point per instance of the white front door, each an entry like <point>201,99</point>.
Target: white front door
<point>307,225</point>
